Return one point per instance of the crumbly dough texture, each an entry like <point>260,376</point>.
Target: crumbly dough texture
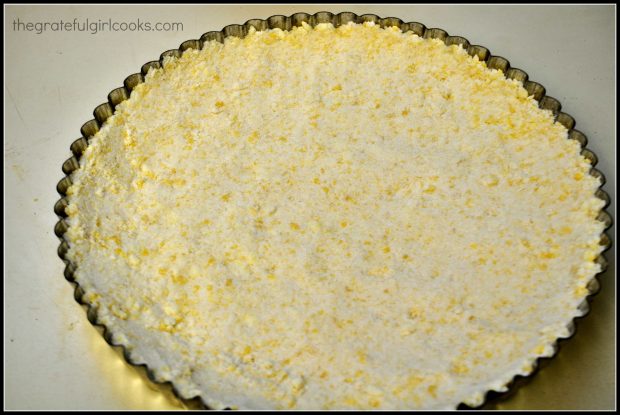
<point>334,218</point>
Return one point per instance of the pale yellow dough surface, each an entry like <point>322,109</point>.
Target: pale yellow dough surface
<point>334,218</point>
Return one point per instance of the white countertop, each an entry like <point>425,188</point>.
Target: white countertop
<point>54,358</point>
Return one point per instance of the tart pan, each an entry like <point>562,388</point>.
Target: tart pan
<point>118,95</point>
